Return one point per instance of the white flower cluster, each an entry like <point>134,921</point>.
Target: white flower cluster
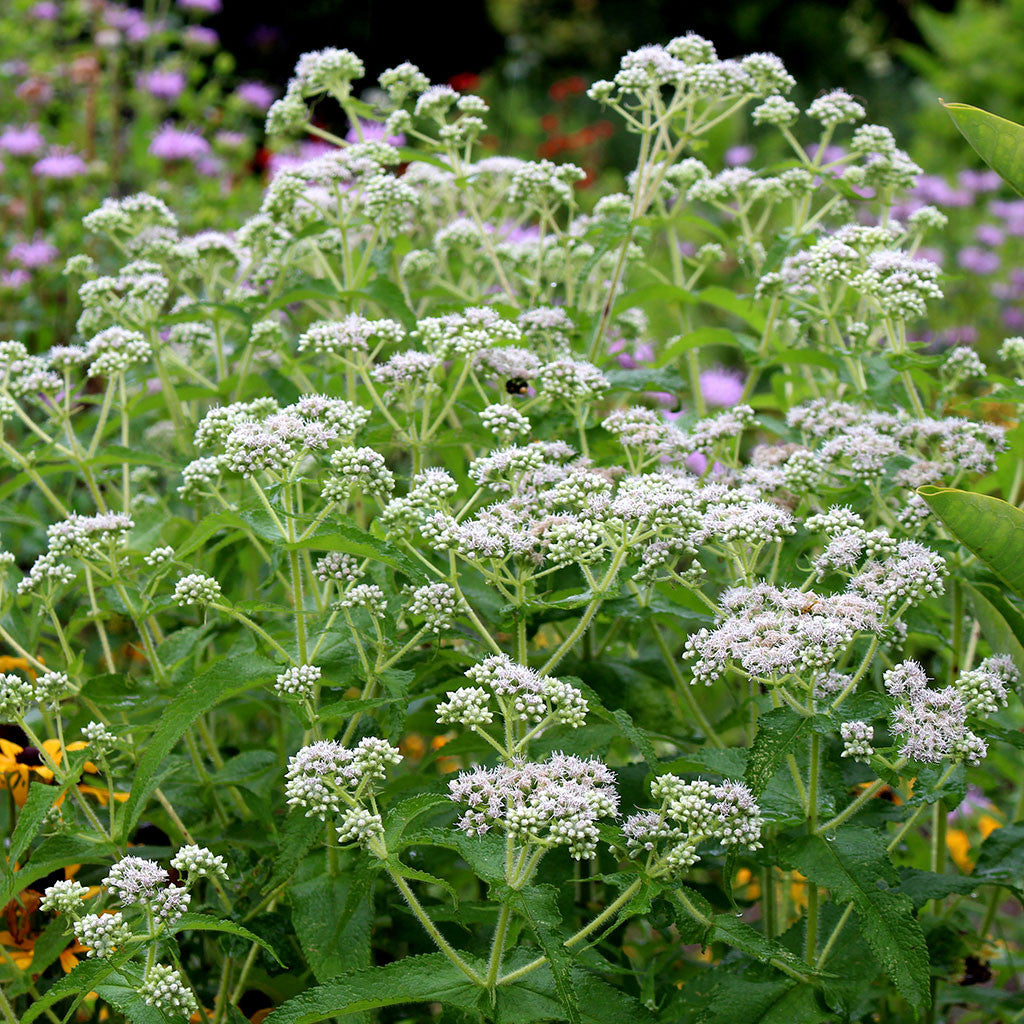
<point>437,604</point>
<point>519,692</point>
<point>17,695</point>
<point>932,724</point>
<point>166,989</point>
<point>196,588</point>
<point>324,775</point>
<point>298,681</point>
<point>557,802</point>
<point>770,632</point>
<point>63,897</point>
<point>857,737</point>
<point>104,934</point>
<point>692,813</point>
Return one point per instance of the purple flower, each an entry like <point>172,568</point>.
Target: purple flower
<point>936,256</point>
<point>255,95</point>
<point>21,141</point>
<point>374,131</point>
<point>44,11</point>
<point>172,144</point>
<point>831,154</point>
<point>60,164</point>
<point>231,140</point>
<point>162,85</point>
<point>1013,318</point>
<point>978,261</point>
<point>37,253</point>
<point>737,156</point>
<point>13,279</point>
<point>930,188</point>
<point>980,181</point>
<point>722,387</point>
<point>199,37</point>
<point>989,234</point>
<point>200,6</point>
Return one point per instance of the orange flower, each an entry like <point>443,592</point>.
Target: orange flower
<point>9,661</point>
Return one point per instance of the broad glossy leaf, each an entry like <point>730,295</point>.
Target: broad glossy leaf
<point>999,142</point>
<point>989,527</point>
<point>1001,623</point>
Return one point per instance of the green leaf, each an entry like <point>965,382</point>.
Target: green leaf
<point>1002,624</point>
<point>53,853</point>
<point>740,935</point>
<point>332,914</point>
<point>414,979</point>
<point>222,679</point>
<point>854,866</point>
<point>1001,857</point>
<point>922,886</point>
<point>82,979</point>
<point>1000,143</point>
<point>403,814</point>
<point>741,999</point>
<point>777,731</point>
<point>990,528</point>
<point>203,923</point>
<point>340,536</point>
<point>539,905</point>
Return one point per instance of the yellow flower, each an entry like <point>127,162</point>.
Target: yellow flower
<point>18,766</point>
<point>959,843</point>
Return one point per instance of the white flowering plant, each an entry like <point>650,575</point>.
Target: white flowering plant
<point>410,615</point>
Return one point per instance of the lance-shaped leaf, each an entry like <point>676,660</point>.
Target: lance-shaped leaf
<point>989,527</point>
<point>1000,143</point>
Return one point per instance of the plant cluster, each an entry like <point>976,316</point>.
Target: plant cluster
<point>438,621</point>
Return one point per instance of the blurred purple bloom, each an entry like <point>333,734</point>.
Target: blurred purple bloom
<point>21,141</point>
<point>722,387</point>
<point>735,156</point>
<point>936,256</point>
<point>374,131</point>
<point>162,85</point>
<point>15,278</point>
<point>989,234</point>
<point>60,164</point>
<point>172,143</point>
<point>831,154</point>
<point>37,253</point>
<point>199,37</point>
<point>231,140</point>
<point>977,260</point>
<point>1013,318</point>
<point>200,6</point>
<point>930,188</point>
<point>44,11</point>
<point>980,181</point>
<point>255,95</point>
<point>287,161</point>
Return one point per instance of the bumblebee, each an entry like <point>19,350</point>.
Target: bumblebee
<point>517,385</point>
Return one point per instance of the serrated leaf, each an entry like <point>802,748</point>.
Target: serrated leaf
<point>853,866</point>
<point>988,527</point>
<point>777,731</point>
<point>332,914</point>
<point>224,678</point>
<point>539,906</point>
<point>922,886</point>
<point>739,999</point>
<point>204,923</point>
<point>999,142</point>
<point>1001,857</point>
<point>415,979</point>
